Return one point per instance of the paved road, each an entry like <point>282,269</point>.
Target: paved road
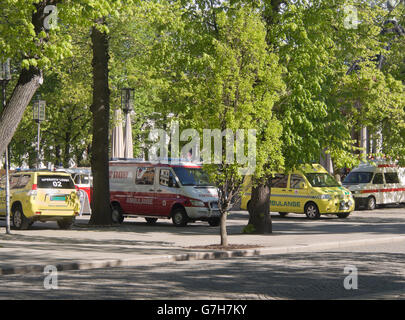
<point>45,244</point>
<point>310,275</point>
<point>315,275</point>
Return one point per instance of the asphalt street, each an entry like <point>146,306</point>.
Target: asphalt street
<point>315,275</point>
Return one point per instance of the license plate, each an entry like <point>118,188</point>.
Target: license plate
<point>58,198</point>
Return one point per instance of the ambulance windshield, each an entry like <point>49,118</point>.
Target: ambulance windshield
<point>358,177</point>
<point>319,180</point>
<point>192,176</point>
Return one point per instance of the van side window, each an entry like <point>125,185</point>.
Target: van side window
<point>3,182</point>
<point>145,176</point>
<point>14,182</point>
<point>391,177</point>
<point>78,179</point>
<point>378,179</point>
<point>295,181</point>
<point>23,181</point>
<point>166,178</point>
<point>279,181</point>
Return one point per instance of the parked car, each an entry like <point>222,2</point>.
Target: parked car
<point>40,196</point>
<point>180,192</point>
<point>376,183</point>
<point>310,189</point>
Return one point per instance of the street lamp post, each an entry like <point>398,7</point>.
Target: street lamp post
<point>127,99</point>
<point>39,116</point>
<point>5,77</point>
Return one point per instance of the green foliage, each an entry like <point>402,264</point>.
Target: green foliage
<point>324,104</point>
<point>241,83</point>
<point>207,65</point>
<point>65,135</point>
<point>249,229</point>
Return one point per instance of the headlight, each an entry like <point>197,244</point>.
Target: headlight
<point>197,203</point>
<point>326,196</point>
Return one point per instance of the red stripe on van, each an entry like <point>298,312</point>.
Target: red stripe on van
<point>382,190</point>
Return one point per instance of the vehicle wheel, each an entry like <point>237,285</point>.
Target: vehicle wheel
<point>343,215</point>
<point>117,214</point>
<point>312,211</point>
<point>151,220</point>
<point>371,203</point>
<point>214,222</point>
<point>65,224</point>
<point>20,221</point>
<point>283,214</point>
<point>179,217</point>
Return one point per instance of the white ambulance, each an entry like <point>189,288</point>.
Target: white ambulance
<point>376,183</point>
<point>181,192</point>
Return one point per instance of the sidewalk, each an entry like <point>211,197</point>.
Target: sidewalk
<point>135,243</point>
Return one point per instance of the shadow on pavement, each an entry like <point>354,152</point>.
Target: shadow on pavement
<point>304,276</point>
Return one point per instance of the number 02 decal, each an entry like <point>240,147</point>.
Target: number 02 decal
<point>57,184</point>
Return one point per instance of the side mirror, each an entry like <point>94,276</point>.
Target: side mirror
<point>172,183</point>
<point>303,185</point>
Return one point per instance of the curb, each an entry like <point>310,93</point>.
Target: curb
<point>212,255</point>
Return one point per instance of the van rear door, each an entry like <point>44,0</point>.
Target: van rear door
<point>167,190</point>
<point>392,187</point>
<point>143,199</point>
<point>278,193</point>
<point>377,184</point>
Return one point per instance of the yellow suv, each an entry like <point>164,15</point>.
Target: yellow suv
<point>40,196</point>
<point>310,190</point>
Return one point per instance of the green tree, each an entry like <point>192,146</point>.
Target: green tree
<point>227,80</point>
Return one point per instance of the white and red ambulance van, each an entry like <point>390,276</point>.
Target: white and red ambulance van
<point>84,183</point>
<point>376,183</point>
<point>181,192</point>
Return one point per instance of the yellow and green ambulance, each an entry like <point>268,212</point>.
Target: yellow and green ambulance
<point>309,189</point>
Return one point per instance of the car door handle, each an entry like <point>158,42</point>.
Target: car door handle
<point>151,190</point>
<point>159,190</point>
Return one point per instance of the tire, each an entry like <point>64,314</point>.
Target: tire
<point>371,203</point>
<point>20,221</point>
<point>151,220</point>
<point>65,224</point>
<point>283,214</point>
<point>312,211</point>
<point>117,214</point>
<point>214,222</point>
<point>179,217</point>
<point>343,215</point>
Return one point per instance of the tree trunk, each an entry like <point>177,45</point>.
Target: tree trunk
<point>224,234</point>
<point>101,211</point>
<point>28,83</point>
<point>66,153</point>
<point>259,209</point>
<point>58,157</point>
